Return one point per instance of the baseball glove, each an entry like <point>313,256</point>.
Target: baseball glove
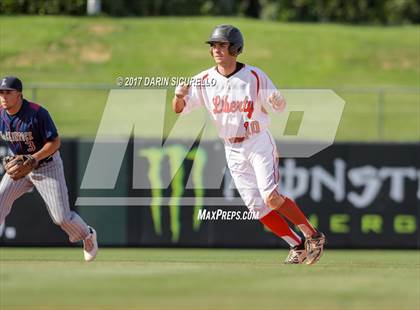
<point>18,166</point>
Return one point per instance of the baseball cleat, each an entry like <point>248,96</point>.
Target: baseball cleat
<point>314,247</point>
<point>90,246</point>
<point>297,254</point>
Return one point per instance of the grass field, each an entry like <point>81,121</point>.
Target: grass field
<point>207,279</point>
<point>97,50</point>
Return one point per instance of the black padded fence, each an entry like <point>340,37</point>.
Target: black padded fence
<point>361,195</point>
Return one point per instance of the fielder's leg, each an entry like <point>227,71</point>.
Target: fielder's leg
<point>11,190</point>
<point>50,182</point>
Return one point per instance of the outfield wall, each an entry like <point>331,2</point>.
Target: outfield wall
<point>360,195</point>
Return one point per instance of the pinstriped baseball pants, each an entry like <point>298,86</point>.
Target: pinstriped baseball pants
<point>49,181</point>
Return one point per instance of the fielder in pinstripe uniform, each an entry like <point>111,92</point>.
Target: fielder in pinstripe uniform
<point>29,130</point>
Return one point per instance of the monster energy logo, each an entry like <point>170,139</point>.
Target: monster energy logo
<point>176,156</point>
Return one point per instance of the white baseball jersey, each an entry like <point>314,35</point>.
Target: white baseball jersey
<point>236,103</point>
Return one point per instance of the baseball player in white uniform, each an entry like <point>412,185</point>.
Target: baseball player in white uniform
<point>236,103</point>
<point>32,137</point>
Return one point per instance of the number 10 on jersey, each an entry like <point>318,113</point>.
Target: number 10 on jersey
<point>252,128</point>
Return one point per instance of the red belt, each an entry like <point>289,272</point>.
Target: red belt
<point>236,139</point>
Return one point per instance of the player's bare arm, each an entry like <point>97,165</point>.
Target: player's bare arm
<point>178,103</point>
<point>48,149</point>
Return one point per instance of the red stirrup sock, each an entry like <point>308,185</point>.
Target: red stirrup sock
<point>290,210</point>
<point>279,226</point>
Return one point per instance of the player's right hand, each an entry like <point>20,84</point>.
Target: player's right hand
<point>182,90</point>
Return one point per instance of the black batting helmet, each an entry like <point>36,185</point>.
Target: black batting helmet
<point>228,33</point>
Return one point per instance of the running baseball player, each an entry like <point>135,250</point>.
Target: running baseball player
<point>236,104</point>
<point>32,137</point>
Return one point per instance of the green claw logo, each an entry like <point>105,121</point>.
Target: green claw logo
<point>175,156</point>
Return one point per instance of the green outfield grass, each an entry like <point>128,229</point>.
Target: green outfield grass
<point>207,279</point>
<point>98,50</point>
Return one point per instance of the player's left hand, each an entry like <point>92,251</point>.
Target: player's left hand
<point>18,166</point>
<point>277,101</point>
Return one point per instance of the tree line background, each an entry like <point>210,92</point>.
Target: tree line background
<point>387,12</point>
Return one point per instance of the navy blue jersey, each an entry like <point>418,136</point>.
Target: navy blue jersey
<point>27,131</point>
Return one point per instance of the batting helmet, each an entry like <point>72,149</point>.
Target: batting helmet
<point>228,33</point>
